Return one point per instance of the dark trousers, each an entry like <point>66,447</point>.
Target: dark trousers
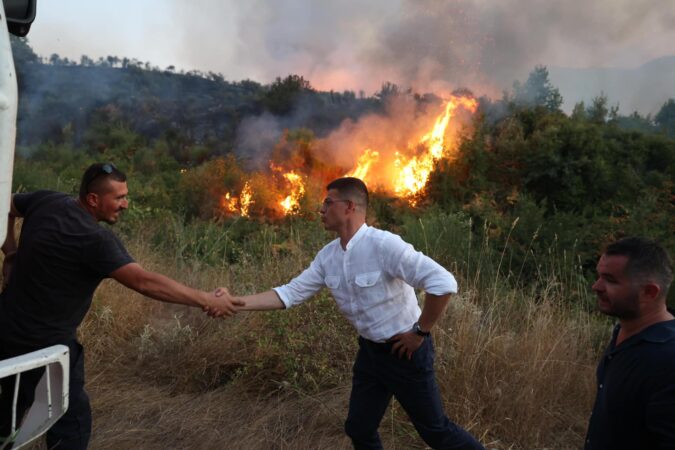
<point>73,430</point>
<point>378,375</point>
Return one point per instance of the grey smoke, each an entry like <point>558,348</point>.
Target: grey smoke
<point>256,137</point>
<point>428,45</point>
<point>426,42</point>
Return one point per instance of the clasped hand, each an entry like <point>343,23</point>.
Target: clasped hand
<point>221,303</point>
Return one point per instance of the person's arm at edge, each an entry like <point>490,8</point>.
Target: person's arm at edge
<point>9,247</point>
<point>165,289</point>
<point>262,301</point>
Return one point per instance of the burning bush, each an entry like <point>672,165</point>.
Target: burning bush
<point>392,161</point>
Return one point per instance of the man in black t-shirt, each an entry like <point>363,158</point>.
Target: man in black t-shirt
<point>50,279</point>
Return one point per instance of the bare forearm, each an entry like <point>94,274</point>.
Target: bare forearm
<point>165,289</point>
<point>158,286</point>
<point>434,307</point>
<point>9,246</point>
<point>262,302</point>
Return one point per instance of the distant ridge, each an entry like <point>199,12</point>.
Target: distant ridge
<point>644,89</point>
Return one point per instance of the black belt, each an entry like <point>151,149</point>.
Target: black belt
<point>377,346</point>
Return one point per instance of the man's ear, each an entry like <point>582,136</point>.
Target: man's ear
<point>92,199</point>
<point>651,290</point>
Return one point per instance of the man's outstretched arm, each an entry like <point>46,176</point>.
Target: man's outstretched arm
<point>165,289</point>
<point>262,301</point>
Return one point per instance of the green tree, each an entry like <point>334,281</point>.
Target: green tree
<point>283,94</point>
<point>22,51</point>
<point>388,90</point>
<point>665,118</point>
<point>598,111</point>
<point>538,91</point>
<point>579,112</point>
<point>636,122</point>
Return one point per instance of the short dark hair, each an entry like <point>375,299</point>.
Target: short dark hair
<point>645,258</point>
<point>351,187</point>
<point>96,175</point>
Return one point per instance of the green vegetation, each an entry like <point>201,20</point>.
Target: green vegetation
<point>571,183</point>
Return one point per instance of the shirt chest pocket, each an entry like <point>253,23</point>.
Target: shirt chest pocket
<point>370,286</point>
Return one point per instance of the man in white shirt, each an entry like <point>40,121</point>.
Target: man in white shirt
<point>372,275</point>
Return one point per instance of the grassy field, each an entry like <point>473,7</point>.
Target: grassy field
<point>515,361</point>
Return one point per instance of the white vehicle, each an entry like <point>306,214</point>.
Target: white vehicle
<point>51,394</point>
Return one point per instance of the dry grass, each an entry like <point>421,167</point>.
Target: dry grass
<point>520,375</point>
<point>515,369</point>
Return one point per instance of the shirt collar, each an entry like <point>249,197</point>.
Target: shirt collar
<point>357,236</point>
<point>658,333</point>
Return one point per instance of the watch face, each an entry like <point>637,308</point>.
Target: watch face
<point>418,330</point>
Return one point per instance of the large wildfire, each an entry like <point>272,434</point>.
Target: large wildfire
<point>402,172</point>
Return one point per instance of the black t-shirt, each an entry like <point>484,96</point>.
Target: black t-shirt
<point>63,255</point>
<point>635,401</point>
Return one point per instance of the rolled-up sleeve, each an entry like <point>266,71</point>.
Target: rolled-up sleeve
<point>303,286</point>
<point>415,268</point>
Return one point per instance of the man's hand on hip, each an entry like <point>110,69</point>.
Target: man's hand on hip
<point>406,343</point>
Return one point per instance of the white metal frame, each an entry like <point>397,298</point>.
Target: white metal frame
<point>9,101</point>
<point>51,393</point>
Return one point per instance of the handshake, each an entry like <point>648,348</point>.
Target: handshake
<point>220,303</point>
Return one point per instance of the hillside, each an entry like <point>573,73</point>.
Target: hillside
<point>62,101</point>
<point>643,89</point>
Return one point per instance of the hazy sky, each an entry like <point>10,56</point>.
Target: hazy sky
<point>358,44</point>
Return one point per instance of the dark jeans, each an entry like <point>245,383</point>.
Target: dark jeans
<point>73,430</point>
<point>378,375</point>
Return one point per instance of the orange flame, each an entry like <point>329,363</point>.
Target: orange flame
<point>404,173</point>
<point>363,164</point>
<point>246,199</point>
<point>414,172</point>
<point>229,203</point>
<point>292,202</point>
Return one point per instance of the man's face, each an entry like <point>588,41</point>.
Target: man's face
<point>333,210</point>
<point>618,294</point>
<point>112,202</point>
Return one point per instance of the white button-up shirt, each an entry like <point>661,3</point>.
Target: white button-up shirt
<point>372,281</point>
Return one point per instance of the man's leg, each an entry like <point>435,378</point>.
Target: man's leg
<point>417,392</point>
<point>73,430</point>
<point>367,403</point>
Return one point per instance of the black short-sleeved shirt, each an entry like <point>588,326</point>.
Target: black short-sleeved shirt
<point>635,402</point>
<point>63,255</point>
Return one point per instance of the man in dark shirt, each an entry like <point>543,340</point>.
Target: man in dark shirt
<point>50,279</point>
<point>635,402</point>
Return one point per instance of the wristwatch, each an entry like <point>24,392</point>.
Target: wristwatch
<point>418,331</point>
